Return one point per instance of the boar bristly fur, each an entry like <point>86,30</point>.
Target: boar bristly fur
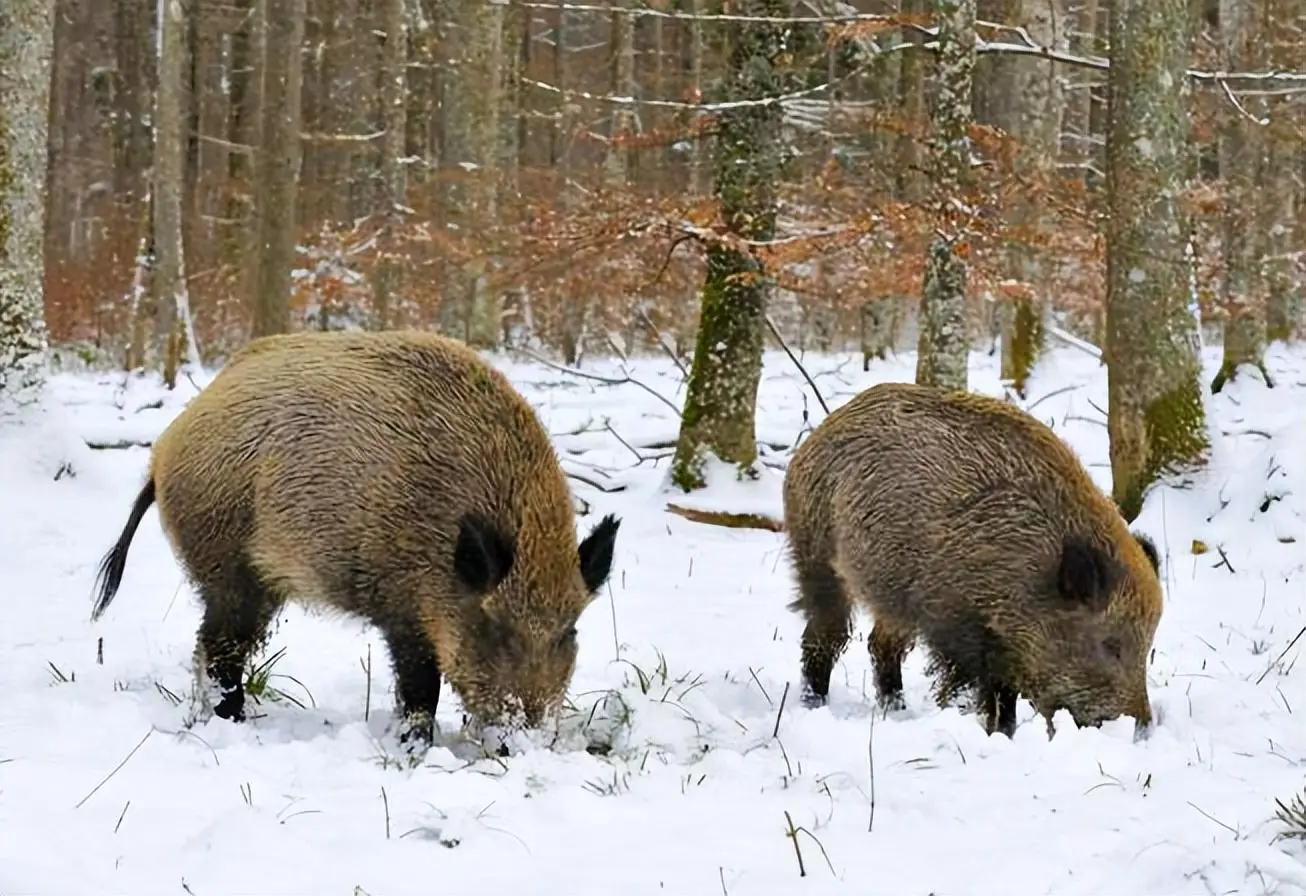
<point>965,522</point>
<point>395,476</point>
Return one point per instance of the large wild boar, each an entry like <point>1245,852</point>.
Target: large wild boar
<point>395,476</point>
<point>964,521</point>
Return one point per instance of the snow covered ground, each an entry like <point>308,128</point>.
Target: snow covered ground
<point>683,671</point>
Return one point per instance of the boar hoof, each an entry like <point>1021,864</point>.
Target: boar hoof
<point>417,730</point>
<point>810,699</point>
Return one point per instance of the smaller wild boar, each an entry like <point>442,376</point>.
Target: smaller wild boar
<point>395,476</point>
<point>964,521</point>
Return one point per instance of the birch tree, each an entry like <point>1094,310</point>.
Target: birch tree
<point>943,349</point>
<point>719,416</point>
<point>26,38</point>
<point>277,166</point>
<point>1155,420</point>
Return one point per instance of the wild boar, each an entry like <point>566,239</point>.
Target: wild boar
<point>964,521</point>
<point>395,476</point>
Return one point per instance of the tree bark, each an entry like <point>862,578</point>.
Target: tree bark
<point>1242,169</point>
<point>943,349</point>
<point>1156,419</point>
<point>26,39</point>
<point>719,416</point>
<point>391,198</point>
<point>1036,124</point>
<point>471,109</point>
<point>171,296</point>
<point>277,168</point>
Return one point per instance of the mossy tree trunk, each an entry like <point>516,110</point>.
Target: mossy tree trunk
<point>277,167</point>
<point>1031,111</point>
<point>721,396</point>
<point>26,38</point>
<point>943,349</point>
<point>1156,420</point>
<point>1242,169</point>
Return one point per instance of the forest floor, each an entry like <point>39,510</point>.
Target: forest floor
<point>717,781</point>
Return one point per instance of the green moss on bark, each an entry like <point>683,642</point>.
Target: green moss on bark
<point>1175,427</point>
<point>1024,344</point>
<point>719,416</point>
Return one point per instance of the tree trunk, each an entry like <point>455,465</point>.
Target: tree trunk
<point>1156,419</point>
<point>1242,147</point>
<point>171,297</point>
<point>943,349</point>
<point>26,38</point>
<point>471,110</point>
<point>246,130</point>
<point>277,167</point>
<point>390,202</point>
<point>1036,124</point>
<point>721,395</point>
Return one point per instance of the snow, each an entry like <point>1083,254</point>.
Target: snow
<point>684,665</point>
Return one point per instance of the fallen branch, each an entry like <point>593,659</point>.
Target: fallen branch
<point>118,445</point>
<point>727,519</point>
<point>606,489</point>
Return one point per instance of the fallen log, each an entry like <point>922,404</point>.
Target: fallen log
<point>727,519</point>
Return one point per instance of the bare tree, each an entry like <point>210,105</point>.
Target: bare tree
<point>170,294</point>
<point>1156,418</point>
<point>277,169</point>
<point>394,98</point>
<point>1033,107</point>
<point>26,39</point>
<point>943,350</point>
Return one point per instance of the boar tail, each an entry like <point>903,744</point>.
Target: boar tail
<point>111,567</point>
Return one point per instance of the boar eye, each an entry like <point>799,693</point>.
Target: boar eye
<point>566,638</point>
<point>1112,647</point>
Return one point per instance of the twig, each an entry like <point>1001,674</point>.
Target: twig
<point>367,694</point>
<point>870,759</point>
<point>116,769</point>
<point>385,801</point>
<point>606,380</point>
<point>775,732</point>
<point>784,345</point>
<point>606,489</point>
<point>792,834</point>
<point>1282,653</point>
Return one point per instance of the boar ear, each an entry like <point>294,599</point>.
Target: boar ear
<point>483,553</point>
<point>1149,548</point>
<point>1085,573</point>
<point>595,553</point>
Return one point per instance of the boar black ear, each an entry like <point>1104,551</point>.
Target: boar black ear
<point>596,553</point>
<point>1085,573</point>
<point>1149,548</point>
<point>483,554</point>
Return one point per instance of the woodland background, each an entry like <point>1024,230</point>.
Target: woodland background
<point>575,178</point>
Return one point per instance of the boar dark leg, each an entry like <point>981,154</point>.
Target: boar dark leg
<point>998,703</point>
<point>237,610</point>
<point>888,648</point>
<point>417,677</point>
<point>822,600</point>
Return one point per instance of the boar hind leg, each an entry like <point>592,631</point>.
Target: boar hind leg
<point>237,610</point>
<point>823,601</point>
<point>998,704</point>
<point>888,648</point>
<point>417,678</point>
